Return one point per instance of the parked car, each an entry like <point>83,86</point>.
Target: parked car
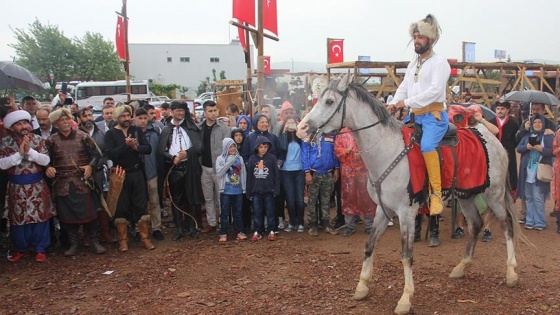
<point>158,100</point>
<point>206,96</point>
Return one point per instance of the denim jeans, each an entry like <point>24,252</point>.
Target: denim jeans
<point>534,197</point>
<point>294,183</point>
<point>264,203</point>
<point>231,204</point>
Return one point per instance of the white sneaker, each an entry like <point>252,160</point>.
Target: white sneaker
<point>300,228</point>
<point>280,224</point>
<point>391,223</point>
<point>289,228</point>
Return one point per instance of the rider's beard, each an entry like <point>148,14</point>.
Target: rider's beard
<point>422,49</point>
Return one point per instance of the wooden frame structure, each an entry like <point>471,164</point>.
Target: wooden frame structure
<point>480,78</point>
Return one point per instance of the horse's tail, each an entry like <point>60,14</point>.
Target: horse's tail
<point>517,233</point>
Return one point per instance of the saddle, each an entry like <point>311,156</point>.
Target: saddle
<point>449,139</point>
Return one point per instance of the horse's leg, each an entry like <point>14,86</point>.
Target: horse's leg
<point>380,223</point>
<point>507,222</point>
<point>407,240</point>
<point>474,222</point>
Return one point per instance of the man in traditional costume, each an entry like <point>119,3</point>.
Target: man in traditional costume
<point>423,91</point>
<point>124,145</point>
<point>24,155</point>
<point>179,149</point>
<point>74,156</point>
<point>87,125</point>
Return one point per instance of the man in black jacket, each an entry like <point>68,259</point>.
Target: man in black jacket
<point>507,127</point>
<point>124,145</point>
<point>178,152</point>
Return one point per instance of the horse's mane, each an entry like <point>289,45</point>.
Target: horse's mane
<point>364,96</point>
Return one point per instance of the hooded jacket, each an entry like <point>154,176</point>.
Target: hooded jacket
<point>230,168</point>
<point>250,140</point>
<point>235,131</point>
<point>264,176</point>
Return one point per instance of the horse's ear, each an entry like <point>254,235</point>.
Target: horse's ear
<point>343,84</point>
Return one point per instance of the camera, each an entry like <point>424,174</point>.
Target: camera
<point>533,140</point>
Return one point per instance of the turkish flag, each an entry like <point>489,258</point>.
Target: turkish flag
<point>266,65</point>
<point>336,50</point>
<point>270,18</point>
<point>244,11</point>
<point>119,38</point>
<point>242,39</point>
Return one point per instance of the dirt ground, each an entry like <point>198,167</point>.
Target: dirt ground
<point>297,274</point>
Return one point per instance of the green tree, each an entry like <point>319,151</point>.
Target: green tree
<point>167,89</point>
<point>206,85</point>
<point>46,51</point>
<point>96,59</point>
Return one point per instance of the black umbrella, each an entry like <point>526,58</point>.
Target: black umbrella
<point>532,97</point>
<point>13,76</point>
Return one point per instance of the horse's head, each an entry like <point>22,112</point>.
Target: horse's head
<point>328,113</point>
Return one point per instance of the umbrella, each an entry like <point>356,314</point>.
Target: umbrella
<point>13,76</point>
<point>533,97</point>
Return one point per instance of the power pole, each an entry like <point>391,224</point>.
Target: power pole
<point>249,73</point>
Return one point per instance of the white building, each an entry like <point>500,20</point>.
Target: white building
<point>186,64</point>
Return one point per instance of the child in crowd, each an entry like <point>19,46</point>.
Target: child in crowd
<point>238,135</point>
<point>230,169</point>
<point>263,183</point>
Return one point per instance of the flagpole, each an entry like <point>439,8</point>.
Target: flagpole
<point>260,57</point>
<point>249,74</point>
<point>127,55</point>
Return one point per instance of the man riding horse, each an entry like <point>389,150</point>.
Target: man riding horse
<point>423,91</point>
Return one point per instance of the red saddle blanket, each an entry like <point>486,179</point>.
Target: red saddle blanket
<point>472,165</point>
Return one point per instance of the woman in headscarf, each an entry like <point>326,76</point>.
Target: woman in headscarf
<point>244,123</point>
<point>535,148</point>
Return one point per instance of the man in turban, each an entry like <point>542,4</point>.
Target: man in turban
<point>125,145</point>
<point>74,157</point>
<point>423,92</point>
<point>24,155</point>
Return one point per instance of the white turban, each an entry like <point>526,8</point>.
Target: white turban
<point>16,116</point>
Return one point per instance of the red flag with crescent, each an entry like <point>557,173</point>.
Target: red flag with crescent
<point>336,50</point>
<point>266,65</point>
<point>244,11</point>
<point>119,38</point>
<point>270,17</point>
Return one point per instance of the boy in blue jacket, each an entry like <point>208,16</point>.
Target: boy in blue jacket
<point>321,172</point>
<point>263,183</point>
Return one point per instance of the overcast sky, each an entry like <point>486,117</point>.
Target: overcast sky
<point>377,28</point>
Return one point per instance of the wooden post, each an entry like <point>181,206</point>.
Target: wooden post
<point>247,95</point>
<point>260,57</point>
<point>127,54</point>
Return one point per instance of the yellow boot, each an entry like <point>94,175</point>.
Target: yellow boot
<point>434,175</point>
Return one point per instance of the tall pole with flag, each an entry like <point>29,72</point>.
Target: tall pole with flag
<point>121,42</point>
<point>267,19</point>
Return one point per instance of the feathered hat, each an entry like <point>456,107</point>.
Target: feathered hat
<point>428,27</point>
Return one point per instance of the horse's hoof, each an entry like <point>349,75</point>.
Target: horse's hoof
<point>402,308</point>
<point>360,294</point>
<point>512,281</point>
<point>457,272</point>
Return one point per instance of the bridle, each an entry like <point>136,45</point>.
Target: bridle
<point>342,105</point>
<point>377,183</point>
